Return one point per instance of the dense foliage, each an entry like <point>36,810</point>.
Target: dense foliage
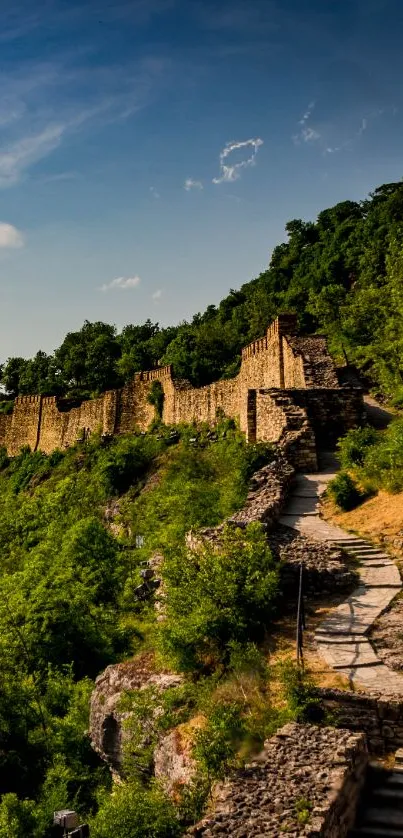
<point>69,526</point>
<point>342,275</point>
<point>373,459</point>
<point>217,596</point>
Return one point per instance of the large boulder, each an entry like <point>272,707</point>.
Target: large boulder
<point>106,719</point>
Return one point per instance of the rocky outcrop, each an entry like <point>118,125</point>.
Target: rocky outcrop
<point>173,762</point>
<point>387,635</point>
<point>305,783</point>
<point>106,719</point>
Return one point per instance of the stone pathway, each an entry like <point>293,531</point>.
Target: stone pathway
<point>341,638</point>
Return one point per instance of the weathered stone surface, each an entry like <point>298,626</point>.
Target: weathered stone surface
<point>287,392</point>
<point>321,769</point>
<point>358,612</point>
<point>387,635</point>
<point>173,762</point>
<point>106,731</point>
<point>379,717</point>
<point>326,569</point>
<point>346,655</point>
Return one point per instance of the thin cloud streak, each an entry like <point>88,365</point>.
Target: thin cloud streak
<point>18,156</point>
<point>122,283</point>
<point>42,104</point>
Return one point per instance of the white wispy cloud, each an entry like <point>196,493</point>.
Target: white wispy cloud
<point>232,171</point>
<point>19,155</point>
<point>192,184</point>
<point>350,141</point>
<point>43,104</point>
<point>154,192</point>
<point>122,283</point>
<point>157,294</point>
<point>10,236</point>
<point>306,133</point>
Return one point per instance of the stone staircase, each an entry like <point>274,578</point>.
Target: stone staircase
<point>342,637</point>
<point>380,812</point>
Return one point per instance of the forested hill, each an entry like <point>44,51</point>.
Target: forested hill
<point>342,274</point>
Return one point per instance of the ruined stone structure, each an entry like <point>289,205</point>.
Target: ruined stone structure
<point>287,391</point>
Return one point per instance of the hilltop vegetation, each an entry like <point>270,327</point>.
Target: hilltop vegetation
<point>342,274</point>
<point>69,526</point>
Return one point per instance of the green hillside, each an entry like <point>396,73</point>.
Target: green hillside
<point>70,566</point>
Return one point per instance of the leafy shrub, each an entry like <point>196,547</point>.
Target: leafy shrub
<point>304,810</point>
<point>375,458</point>
<point>216,745</point>
<point>126,461</point>
<point>216,596</point>
<point>135,812</point>
<point>7,406</point>
<point>354,447</point>
<point>397,400</point>
<point>16,817</point>
<point>4,459</point>
<point>156,398</point>
<point>299,690</point>
<point>343,490</point>
<point>204,480</point>
<point>383,466</point>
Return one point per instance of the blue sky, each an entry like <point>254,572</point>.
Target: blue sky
<point>151,151</point>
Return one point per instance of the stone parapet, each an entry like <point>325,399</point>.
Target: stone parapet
<point>380,719</point>
<point>306,782</point>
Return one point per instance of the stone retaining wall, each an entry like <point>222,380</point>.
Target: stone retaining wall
<point>379,719</point>
<point>326,569</point>
<point>306,783</point>
<point>269,488</point>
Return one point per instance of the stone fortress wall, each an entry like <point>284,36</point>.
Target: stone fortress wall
<point>287,391</point>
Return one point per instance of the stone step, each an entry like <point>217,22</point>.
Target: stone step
<point>376,832</point>
<point>351,545</point>
<point>342,656</point>
<point>358,611</point>
<point>395,780</point>
<point>362,551</point>
<point>387,795</point>
<point>384,817</point>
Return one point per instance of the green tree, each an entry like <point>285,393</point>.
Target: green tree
<point>217,595</point>
<point>135,812</point>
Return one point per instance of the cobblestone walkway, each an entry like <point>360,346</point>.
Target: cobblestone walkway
<point>341,638</point>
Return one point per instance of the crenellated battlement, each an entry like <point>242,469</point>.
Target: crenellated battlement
<point>254,348</point>
<point>280,360</point>
<point>284,324</point>
<point>155,375</point>
<point>22,400</point>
